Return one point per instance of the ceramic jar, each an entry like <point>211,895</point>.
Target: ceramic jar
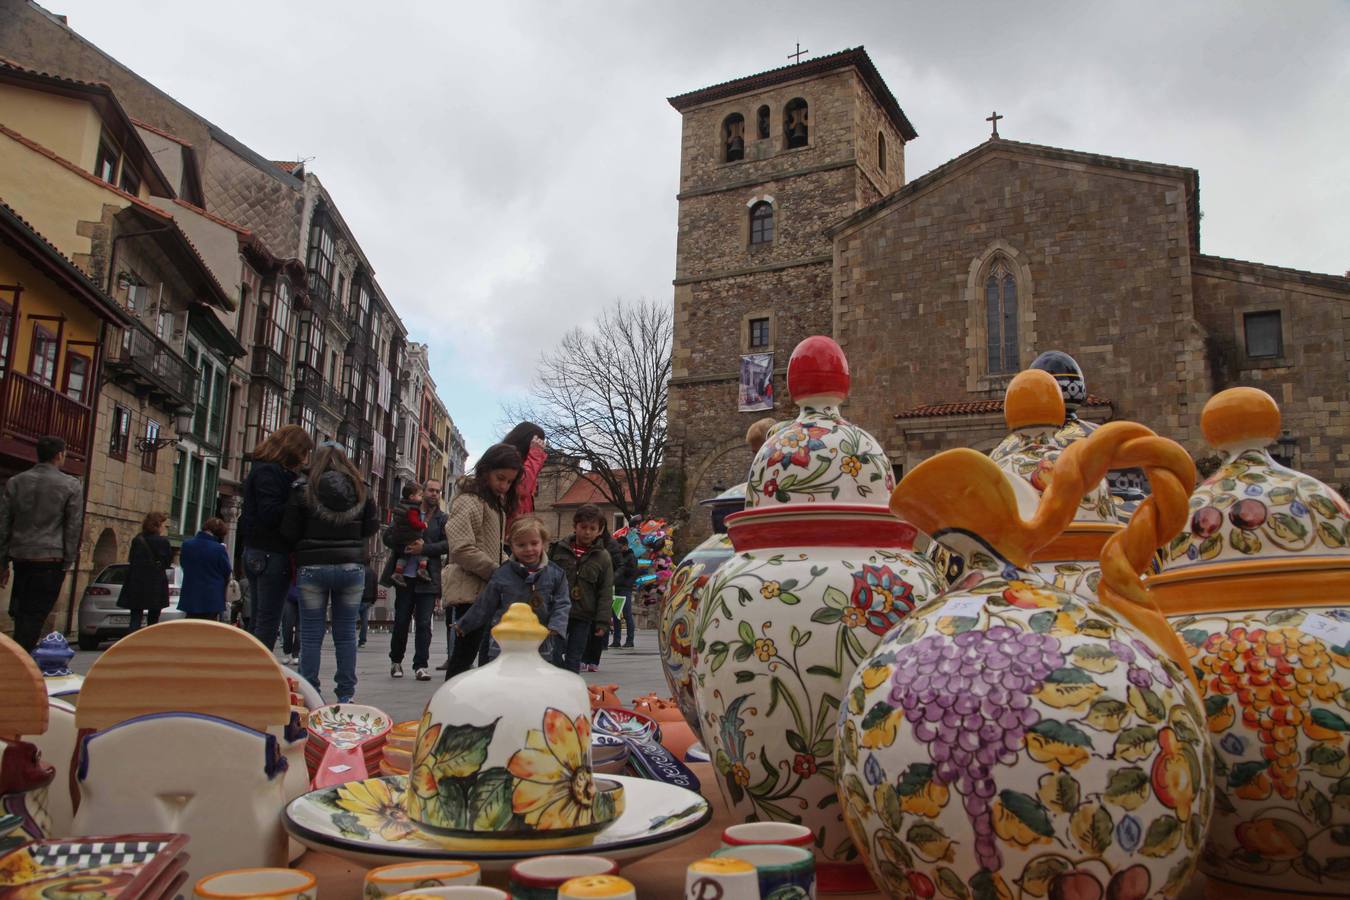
<point>822,570</point>
<point>1013,738</point>
<point>1258,586</point>
<point>504,750</point>
<point>1033,408</point>
<point>675,628</point>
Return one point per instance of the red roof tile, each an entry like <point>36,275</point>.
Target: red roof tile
<point>140,123</point>
<point>975,408</point>
<point>286,165</point>
<point>214,218</point>
<point>588,488</point>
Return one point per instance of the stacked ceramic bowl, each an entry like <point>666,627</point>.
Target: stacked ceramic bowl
<point>396,754</point>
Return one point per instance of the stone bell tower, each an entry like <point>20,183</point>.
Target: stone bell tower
<point>767,163</point>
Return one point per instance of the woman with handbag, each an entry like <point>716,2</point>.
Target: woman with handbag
<point>146,591</point>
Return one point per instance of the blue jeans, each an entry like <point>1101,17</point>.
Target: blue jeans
<point>341,587</point>
<point>627,619</point>
<point>269,578</point>
<point>578,635</point>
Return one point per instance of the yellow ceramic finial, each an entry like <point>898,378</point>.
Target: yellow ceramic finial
<point>720,865</point>
<point>1033,398</point>
<point>596,886</point>
<point>519,623</point>
<point>1239,415</point>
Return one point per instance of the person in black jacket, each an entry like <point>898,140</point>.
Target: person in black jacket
<point>328,519</point>
<point>625,574</point>
<point>277,462</point>
<point>146,590</point>
<point>416,598</point>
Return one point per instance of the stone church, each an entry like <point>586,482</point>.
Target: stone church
<point>795,218</point>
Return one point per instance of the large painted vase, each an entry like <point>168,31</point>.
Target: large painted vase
<point>1258,586</point>
<point>1033,409</point>
<point>822,570</point>
<point>675,628</point>
<point>1012,738</point>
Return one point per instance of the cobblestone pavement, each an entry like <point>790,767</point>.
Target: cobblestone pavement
<point>636,672</point>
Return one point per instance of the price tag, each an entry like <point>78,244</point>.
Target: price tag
<point>964,607</point>
<point>338,770</point>
<point>1333,631</point>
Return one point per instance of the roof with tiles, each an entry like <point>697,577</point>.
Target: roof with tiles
<point>141,123</point>
<point>1242,267</point>
<point>855,56</point>
<point>975,408</point>
<point>588,488</point>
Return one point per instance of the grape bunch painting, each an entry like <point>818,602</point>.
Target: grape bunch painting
<point>1023,742</point>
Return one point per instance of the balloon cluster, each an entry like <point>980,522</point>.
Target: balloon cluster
<point>651,543</point>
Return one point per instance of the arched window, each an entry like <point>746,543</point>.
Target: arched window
<point>762,120</point>
<point>733,137</point>
<point>881,151</point>
<point>1000,298</point>
<point>794,123</point>
<point>761,223</point>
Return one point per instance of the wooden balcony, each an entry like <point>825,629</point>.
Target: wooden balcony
<point>151,367</point>
<point>30,409</point>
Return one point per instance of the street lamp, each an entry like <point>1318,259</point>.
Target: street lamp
<point>182,424</point>
<point>1288,445</point>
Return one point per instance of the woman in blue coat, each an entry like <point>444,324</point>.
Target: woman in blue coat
<point>206,572</point>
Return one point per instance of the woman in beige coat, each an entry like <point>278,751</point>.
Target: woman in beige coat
<point>475,533</point>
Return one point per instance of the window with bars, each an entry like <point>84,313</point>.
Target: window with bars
<point>761,223</point>
<point>1000,297</point>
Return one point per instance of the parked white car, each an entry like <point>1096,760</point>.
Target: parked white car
<point>101,619</point>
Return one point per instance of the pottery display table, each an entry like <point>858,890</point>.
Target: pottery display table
<point>656,877</point>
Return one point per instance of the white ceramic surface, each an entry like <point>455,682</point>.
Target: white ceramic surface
<point>386,881</point>
<point>57,745</point>
<point>257,884</point>
<point>720,878</point>
<point>457,892</point>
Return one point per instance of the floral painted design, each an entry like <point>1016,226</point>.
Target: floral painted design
<point>375,809</point>
<point>820,456</point>
<point>1038,747</point>
<point>676,624</point>
<point>776,637</point>
<point>347,728</point>
<point>553,787</point>
<point>1277,701</point>
<point>1253,508</point>
<point>1030,457</point>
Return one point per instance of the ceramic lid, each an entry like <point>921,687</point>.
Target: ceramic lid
<point>1068,375</point>
<point>819,457</point>
<point>1252,508</point>
<point>1033,409</point>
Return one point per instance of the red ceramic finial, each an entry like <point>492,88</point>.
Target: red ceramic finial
<point>818,368</point>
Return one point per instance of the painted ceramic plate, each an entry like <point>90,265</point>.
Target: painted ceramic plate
<point>368,826</point>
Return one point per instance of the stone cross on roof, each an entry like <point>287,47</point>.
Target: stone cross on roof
<point>797,57</point>
<point>994,117</point>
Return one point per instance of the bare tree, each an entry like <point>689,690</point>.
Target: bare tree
<point>600,396</point>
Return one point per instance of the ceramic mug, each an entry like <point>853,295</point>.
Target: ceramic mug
<point>387,881</point>
<point>767,833</point>
<point>539,877</point>
<point>456,892</point>
<point>721,879</point>
<point>785,873</point>
<point>240,884</point>
<point>589,887</point>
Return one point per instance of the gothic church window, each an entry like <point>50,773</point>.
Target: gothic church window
<point>761,223</point>
<point>795,127</point>
<point>762,118</point>
<point>881,151</point>
<point>1000,297</point>
<point>733,137</point>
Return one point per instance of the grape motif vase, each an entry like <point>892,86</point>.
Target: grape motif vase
<point>780,627</point>
<point>1034,412</point>
<point>675,628</point>
<point>1013,738</point>
<point>1258,586</point>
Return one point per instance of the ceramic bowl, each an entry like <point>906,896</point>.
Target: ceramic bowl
<point>787,872</point>
<point>386,881</point>
<point>767,833</point>
<point>271,884</point>
<point>540,877</point>
<point>403,736</point>
<point>458,891</point>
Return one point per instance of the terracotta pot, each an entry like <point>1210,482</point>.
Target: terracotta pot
<point>815,583</point>
<point>1258,586</point>
<point>1014,738</point>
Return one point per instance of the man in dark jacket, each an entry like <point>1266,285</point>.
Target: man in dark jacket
<point>414,601</point>
<point>625,574</point>
<point>41,513</point>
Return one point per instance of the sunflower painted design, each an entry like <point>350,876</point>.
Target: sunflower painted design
<point>794,445</point>
<point>377,808</point>
<point>881,596</point>
<point>422,777</point>
<point>553,788</point>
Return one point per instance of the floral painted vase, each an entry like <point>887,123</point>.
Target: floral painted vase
<point>781,625</point>
<point>1013,738</point>
<point>504,750</point>
<point>675,629</point>
<point>1258,586</point>
<point>1033,409</point>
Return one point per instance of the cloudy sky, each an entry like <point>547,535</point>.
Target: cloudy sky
<point>511,167</point>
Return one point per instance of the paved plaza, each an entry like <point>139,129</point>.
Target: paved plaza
<point>636,672</point>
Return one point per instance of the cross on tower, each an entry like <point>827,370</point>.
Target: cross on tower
<point>797,57</point>
<point>994,118</point>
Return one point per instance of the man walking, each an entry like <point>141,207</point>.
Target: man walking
<point>41,512</point>
<point>415,598</point>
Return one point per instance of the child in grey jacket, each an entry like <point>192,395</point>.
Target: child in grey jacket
<point>527,577</point>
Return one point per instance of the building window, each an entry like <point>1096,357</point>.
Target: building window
<point>176,501</point>
<point>761,223</point>
<point>733,137</point>
<point>280,316</point>
<point>77,376</point>
<point>42,361</point>
<point>795,127</point>
<point>120,433</point>
<point>320,262</point>
<point>881,151</point>
<point>1000,298</point>
<point>105,164</point>
<point>1263,334</point>
<point>759,333</point>
<point>6,329</point>
<point>762,122</point>
<point>148,457</point>
<point>131,182</point>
